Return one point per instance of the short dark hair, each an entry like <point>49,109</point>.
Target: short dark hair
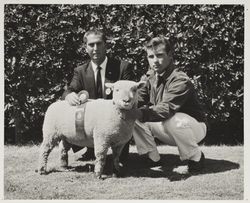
<point>95,32</point>
<point>153,42</point>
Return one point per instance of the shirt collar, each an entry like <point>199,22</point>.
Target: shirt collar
<point>167,72</point>
<point>102,65</point>
<point>160,75</point>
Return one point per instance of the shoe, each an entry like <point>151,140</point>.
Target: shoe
<point>196,166</point>
<point>89,155</point>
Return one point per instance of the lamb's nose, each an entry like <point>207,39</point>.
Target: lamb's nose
<point>126,100</point>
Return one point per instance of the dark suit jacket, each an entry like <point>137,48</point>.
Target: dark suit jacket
<point>84,79</point>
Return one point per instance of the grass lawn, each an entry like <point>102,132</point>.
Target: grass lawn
<point>222,179</point>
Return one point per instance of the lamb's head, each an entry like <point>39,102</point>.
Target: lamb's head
<point>125,93</point>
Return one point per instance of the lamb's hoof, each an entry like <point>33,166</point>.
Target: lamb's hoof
<point>64,164</point>
<point>114,175</point>
<point>65,168</point>
<point>99,176</point>
<point>117,173</point>
<point>41,172</point>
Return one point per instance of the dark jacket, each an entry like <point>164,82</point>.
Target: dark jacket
<point>175,93</point>
<point>84,79</point>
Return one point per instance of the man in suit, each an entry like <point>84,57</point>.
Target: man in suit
<point>171,110</point>
<point>93,74</point>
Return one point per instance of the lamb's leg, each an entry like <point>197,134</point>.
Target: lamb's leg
<point>64,147</point>
<point>116,154</point>
<point>101,150</point>
<point>47,145</point>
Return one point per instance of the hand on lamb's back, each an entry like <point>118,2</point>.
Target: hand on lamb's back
<point>83,96</point>
<point>76,99</point>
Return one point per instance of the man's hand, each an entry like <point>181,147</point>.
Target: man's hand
<point>73,99</point>
<point>83,96</point>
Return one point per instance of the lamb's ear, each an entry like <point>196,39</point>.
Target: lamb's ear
<point>109,85</point>
<point>141,84</point>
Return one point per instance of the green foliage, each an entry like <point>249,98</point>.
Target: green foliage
<point>43,44</point>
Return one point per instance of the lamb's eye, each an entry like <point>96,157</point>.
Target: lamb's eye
<point>134,89</point>
<point>117,90</point>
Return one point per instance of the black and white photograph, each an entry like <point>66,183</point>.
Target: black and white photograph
<point>131,101</point>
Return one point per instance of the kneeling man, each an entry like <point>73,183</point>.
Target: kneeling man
<point>170,109</point>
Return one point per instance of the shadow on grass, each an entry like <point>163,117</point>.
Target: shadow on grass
<point>136,167</point>
<point>79,168</point>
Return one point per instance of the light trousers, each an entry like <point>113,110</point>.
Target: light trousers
<point>180,130</point>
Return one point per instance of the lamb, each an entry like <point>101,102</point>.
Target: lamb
<point>100,123</point>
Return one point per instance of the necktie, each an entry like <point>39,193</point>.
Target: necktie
<point>99,83</point>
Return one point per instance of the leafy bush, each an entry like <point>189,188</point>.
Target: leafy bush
<point>43,44</point>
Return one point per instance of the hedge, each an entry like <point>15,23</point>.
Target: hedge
<point>43,44</point>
